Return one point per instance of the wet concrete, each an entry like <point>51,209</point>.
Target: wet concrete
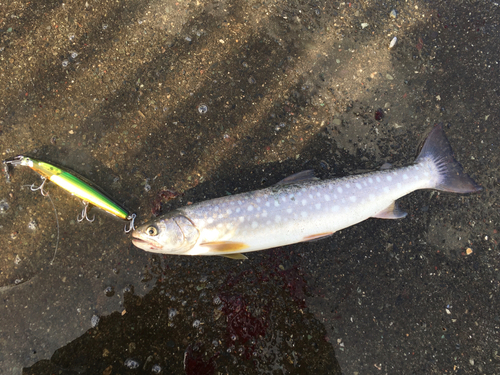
<point>216,98</point>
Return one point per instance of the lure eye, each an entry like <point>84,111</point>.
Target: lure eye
<point>152,231</point>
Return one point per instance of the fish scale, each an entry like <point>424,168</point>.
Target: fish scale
<point>301,208</point>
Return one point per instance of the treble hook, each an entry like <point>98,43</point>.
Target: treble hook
<point>33,188</point>
<point>131,227</point>
<point>84,214</point>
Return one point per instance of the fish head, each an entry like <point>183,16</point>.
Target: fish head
<point>173,233</point>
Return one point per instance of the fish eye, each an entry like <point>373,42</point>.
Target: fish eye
<point>152,231</point>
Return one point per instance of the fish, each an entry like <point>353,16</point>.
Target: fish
<point>301,207</point>
<point>74,184</point>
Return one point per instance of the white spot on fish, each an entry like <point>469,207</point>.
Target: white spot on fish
<point>240,202</point>
<point>210,220</point>
<point>352,198</point>
<point>304,202</point>
<point>318,206</point>
<point>289,211</point>
<point>370,180</point>
<point>242,219</point>
<point>258,200</point>
<point>335,208</point>
<point>250,208</point>
<point>364,183</point>
<point>291,197</point>
<point>229,212</point>
<point>358,185</point>
<point>238,210</point>
<point>330,186</point>
<point>348,186</point>
<point>386,189</point>
<point>334,196</point>
<point>303,214</point>
<point>283,199</point>
<point>268,204</point>
<point>254,224</point>
<point>276,203</point>
<point>311,196</point>
<point>389,178</point>
<point>377,179</point>
<point>277,218</point>
<point>339,189</point>
<point>264,213</point>
<point>318,194</point>
<point>416,168</point>
<point>405,177</point>
<point>327,198</point>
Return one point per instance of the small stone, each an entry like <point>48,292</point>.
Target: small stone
<point>94,321</point>
<point>389,77</point>
<point>393,13</point>
<point>468,251</point>
<point>364,25</point>
<point>202,108</point>
<point>393,43</point>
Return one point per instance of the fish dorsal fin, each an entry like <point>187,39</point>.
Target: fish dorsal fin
<point>391,212</point>
<point>235,256</point>
<point>307,175</point>
<point>218,247</point>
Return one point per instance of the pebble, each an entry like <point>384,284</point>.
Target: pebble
<point>202,108</point>
<point>4,206</point>
<point>393,43</point>
<point>389,77</point>
<point>94,321</point>
<point>393,13</point>
<point>156,369</point>
<point>33,225</point>
<point>131,363</point>
<point>364,25</point>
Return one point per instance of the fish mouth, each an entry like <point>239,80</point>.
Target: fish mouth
<point>145,244</point>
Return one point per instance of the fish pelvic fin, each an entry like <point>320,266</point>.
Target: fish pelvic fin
<point>391,212</point>
<point>317,236</point>
<point>452,178</point>
<point>235,256</point>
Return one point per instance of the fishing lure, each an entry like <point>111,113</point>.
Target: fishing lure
<point>76,186</point>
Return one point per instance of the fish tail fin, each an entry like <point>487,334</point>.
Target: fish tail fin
<point>451,178</point>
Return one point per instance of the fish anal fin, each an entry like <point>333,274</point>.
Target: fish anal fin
<point>391,212</point>
<point>235,256</point>
<point>307,175</point>
<point>216,247</point>
<point>318,236</point>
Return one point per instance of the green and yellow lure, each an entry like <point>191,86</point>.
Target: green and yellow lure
<point>76,186</point>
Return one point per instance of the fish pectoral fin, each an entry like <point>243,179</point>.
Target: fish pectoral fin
<point>235,256</point>
<point>307,175</point>
<point>216,247</point>
<point>318,236</point>
<point>391,212</point>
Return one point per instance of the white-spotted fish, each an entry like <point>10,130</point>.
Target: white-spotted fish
<point>301,208</point>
